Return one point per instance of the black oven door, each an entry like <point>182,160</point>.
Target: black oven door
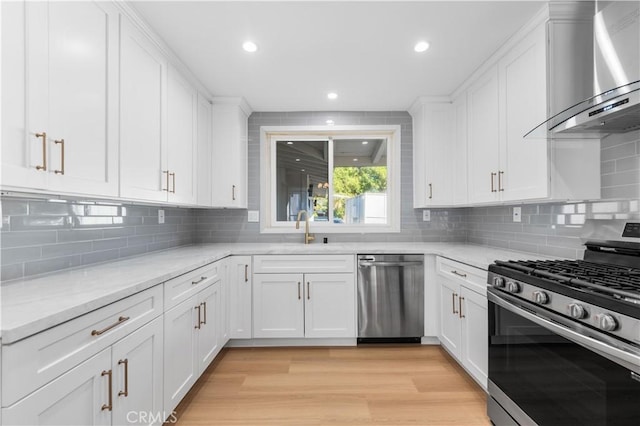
<point>545,369</point>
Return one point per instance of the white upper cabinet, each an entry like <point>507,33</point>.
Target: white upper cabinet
<point>143,140</point>
<point>483,129</point>
<point>158,124</point>
<point>204,152</point>
<point>459,155</point>
<point>67,140</point>
<point>230,152</point>
<point>525,85</point>
<point>522,74</point>
<point>433,163</point>
<point>182,129</point>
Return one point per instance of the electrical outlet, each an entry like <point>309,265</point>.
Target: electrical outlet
<point>253,216</point>
<point>426,215</point>
<point>160,216</point>
<point>517,214</point>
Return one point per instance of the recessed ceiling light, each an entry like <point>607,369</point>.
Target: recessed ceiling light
<point>330,122</point>
<point>249,46</point>
<point>289,143</point>
<point>332,95</point>
<point>297,159</point>
<point>365,142</point>
<point>355,159</point>
<point>421,46</point>
<point>302,170</point>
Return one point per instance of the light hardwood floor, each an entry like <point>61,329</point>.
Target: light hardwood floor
<point>364,385</point>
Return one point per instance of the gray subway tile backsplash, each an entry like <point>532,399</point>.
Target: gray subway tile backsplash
<point>41,236</point>
<point>44,236</point>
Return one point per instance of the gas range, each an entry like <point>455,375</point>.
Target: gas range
<point>602,291</point>
<point>566,327</point>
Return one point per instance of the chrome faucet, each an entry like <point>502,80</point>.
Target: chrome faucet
<point>307,236</point>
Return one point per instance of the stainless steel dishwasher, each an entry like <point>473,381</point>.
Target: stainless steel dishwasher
<point>390,298</point>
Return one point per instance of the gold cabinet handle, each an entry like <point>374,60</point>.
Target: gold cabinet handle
<point>167,173</point>
<point>246,273</point>
<point>173,179</point>
<point>493,175</point>
<point>500,188</point>
<point>308,291</point>
<point>108,406</point>
<point>204,312</point>
<point>115,324</point>
<point>233,192</point>
<point>43,135</point>
<point>459,274</point>
<point>61,143</point>
<point>199,321</point>
<point>453,303</point>
<point>460,305</point>
<point>299,290</point>
<point>199,281</point>
<point>430,191</point>
<point>125,392</point>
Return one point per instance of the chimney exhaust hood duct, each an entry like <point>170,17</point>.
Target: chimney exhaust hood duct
<point>616,106</point>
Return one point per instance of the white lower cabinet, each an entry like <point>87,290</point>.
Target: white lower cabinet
<point>191,342</point>
<point>239,286</point>
<point>120,385</point>
<point>303,305</point>
<point>463,316</point>
<point>137,368</point>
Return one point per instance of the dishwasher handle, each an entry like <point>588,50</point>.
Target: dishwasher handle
<point>366,264</point>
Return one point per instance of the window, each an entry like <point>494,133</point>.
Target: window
<point>346,178</point>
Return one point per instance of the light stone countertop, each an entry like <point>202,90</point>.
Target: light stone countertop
<point>32,305</point>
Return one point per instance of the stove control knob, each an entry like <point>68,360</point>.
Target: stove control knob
<point>540,297</point>
<point>606,322</point>
<point>513,287</point>
<point>498,282</point>
<point>577,311</point>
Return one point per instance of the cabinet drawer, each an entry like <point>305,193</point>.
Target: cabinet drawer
<point>36,360</point>
<point>183,287</point>
<point>305,263</point>
<point>469,276</point>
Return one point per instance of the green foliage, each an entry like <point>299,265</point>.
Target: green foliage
<point>349,182</point>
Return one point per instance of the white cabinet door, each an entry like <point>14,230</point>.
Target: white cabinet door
<point>474,355</point>
<point>420,190</point>
<point>330,305</point>
<point>204,160</point>
<point>524,170</point>
<point>278,307</point>
<point>180,351</point>
<point>450,328</point>
<point>21,149</point>
<point>483,138</point>
<point>137,364</point>
<point>230,150</point>
<point>78,397</point>
<point>459,155</point>
<point>240,297</point>
<point>143,135</point>
<point>208,328</point>
<point>432,152</point>
<point>224,333</point>
<point>71,88</point>
<point>181,123</point>
<point>440,168</point>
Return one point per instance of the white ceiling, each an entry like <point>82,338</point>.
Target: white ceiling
<point>361,50</point>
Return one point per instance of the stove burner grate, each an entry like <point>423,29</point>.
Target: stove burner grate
<point>616,281</point>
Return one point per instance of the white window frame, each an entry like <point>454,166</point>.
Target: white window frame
<point>269,135</point>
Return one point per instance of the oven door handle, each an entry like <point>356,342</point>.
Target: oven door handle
<point>622,357</point>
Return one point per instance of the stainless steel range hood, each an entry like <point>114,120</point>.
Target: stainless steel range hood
<point>616,106</point>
